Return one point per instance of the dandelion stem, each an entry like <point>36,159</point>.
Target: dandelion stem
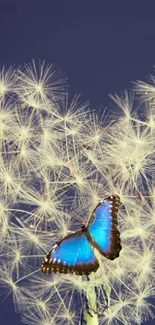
<point>91,315</point>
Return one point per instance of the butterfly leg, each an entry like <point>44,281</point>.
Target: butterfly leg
<point>82,320</point>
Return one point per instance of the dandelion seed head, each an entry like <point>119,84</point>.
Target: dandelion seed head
<point>119,271</point>
<point>8,179</point>
<point>42,305</point>
<point>34,238</point>
<point>3,88</point>
<point>44,205</point>
<point>46,135</point>
<point>24,133</point>
<point>4,125</point>
<point>57,162</point>
<point>32,226</point>
<point>2,207</point>
<point>38,86</point>
<point>7,80</point>
<point>96,138</point>
<point>18,256</point>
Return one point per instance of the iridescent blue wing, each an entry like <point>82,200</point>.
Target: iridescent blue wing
<point>102,227</point>
<point>73,254</point>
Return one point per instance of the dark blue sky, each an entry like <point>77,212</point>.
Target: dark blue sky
<point>102,46</point>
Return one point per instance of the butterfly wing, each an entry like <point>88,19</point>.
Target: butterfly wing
<point>72,254</point>
<point>102,227</point>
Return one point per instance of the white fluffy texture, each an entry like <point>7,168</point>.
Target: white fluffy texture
<point>57,161</point>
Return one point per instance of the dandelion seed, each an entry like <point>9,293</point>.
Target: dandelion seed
<point>39,87</point>
<point>7,81</point>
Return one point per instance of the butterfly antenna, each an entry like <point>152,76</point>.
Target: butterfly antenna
<point>79,220</point>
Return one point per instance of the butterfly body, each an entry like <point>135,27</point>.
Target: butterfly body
<point>75,253</point>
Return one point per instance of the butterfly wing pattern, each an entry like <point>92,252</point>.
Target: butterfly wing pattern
<point>102,227</point>
<point>75,253</point>
<point>72,254</point>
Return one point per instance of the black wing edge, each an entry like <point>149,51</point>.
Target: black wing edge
<point>56,266</point>
<point>115,246</point>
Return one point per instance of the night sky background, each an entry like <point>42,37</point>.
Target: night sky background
<point>101,46</point>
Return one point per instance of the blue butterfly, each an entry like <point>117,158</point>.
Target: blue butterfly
<point>75,252</point>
